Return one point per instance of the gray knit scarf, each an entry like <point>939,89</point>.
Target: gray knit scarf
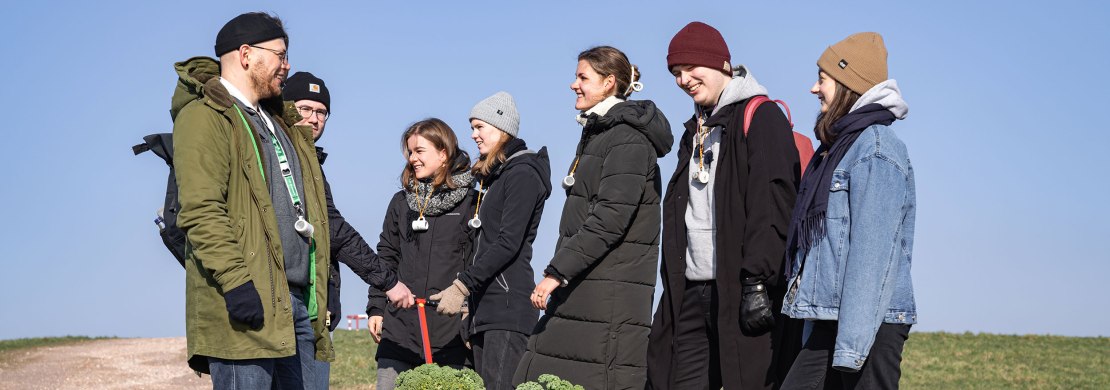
<point>443,198</point>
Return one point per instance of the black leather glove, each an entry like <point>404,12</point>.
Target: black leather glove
<point>755,307</point>
<point>244,305</point>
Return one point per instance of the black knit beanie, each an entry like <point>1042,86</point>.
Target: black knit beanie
<point>248,29</point>
<point>305,86</point>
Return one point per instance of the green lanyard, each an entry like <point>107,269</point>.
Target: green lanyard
<point>313,305</point>
<point>283,163</point>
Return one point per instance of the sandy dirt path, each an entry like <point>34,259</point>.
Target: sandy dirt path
<point>102,364</point>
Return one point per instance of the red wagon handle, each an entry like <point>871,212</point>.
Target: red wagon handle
<point>420,302</point>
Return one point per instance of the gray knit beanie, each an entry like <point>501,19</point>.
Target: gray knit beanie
<point>498,110</point>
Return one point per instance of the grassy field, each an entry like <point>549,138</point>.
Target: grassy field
<point>8,345</point>
<point>930,361</point>
<point>985,361</point>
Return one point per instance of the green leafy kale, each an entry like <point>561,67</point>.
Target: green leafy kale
<point>434,377</point>
<point>549,382</point>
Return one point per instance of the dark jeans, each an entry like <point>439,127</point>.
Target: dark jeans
<point>697,358</point>
<point>496,355</point>
<point>813,367</point>
<point>300,371</point>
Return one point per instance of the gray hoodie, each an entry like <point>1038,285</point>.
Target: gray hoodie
<point>701,227</point>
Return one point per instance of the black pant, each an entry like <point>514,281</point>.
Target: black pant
<point>496,355</point>
<point>697,358</point>
<point>813,367</point>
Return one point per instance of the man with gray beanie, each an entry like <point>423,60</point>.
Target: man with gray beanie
<point>515,182</point>
<point>252,212</point>
<point>312,99</point>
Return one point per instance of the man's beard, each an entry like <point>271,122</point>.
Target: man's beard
<point>263,84</point>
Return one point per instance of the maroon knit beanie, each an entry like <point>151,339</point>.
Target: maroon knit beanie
<point>701,45</point>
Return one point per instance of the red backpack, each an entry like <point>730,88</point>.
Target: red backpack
<point>801,142</point>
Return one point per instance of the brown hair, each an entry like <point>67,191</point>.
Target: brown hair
<point>494,157</point>
<point>842,102</point>
<point>608,61</point>
<point>443,139</point>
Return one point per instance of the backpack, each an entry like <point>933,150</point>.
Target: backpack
<point>801,142</point>
<point>162,146</point>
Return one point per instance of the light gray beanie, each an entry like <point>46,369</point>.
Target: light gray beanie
<point>498,110</point>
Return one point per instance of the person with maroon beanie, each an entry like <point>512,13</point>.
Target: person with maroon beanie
<point>725,217</point>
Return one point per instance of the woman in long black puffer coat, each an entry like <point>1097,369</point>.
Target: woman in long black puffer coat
<point>601,280</point>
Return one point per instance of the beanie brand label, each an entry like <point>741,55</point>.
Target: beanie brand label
<point>316,87</point>
<point>499,112</point>
<point>843,64</point>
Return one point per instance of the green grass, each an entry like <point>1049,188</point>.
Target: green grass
<point>10,345</point>
<point>986,361</point>
<point>930,361</point>
<point>354,366</point>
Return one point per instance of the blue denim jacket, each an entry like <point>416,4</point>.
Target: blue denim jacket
<point>859,274</point>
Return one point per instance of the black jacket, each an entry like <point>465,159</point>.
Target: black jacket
<point>500,276</point>
<point>595,330</point>
<point>348,247</point>
<point>756,183</point>
<point>426,262</point>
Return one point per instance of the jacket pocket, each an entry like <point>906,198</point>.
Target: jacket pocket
<point>838,195</point>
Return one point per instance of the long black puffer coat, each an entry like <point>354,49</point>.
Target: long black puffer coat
<point>595,330</point>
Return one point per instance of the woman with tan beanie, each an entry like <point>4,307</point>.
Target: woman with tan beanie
<point>851,234</point>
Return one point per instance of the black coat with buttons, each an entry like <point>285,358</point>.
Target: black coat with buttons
<point>756,183</point>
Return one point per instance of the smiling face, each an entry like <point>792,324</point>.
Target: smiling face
<point>485,136</point>
<point>267,70</point>
<point>423,156</point>
<point>590,87</point>
<point>825,89</point>
<point>702,84</point>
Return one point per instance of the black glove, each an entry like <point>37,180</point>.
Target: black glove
<point>755,307</point>
<point>244,305</point>
<point>334,309</point>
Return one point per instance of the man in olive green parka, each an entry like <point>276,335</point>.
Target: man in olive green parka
<point>253,210</point>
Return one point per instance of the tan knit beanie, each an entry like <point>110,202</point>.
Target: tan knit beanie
<point>858,62</point>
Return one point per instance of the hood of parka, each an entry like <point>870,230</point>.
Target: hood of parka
<point>199,78</point>
<point>641,115</point>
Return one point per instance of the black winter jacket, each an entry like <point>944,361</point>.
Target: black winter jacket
<point>426,262</point>
<point>500,276</point>
<point>348,247</point>
<point>756,183</point>
<point>595,330</point>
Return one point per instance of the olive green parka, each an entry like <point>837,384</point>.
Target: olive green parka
<point>230,224</point>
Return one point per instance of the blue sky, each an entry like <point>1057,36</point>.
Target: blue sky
<point>1005,132</point>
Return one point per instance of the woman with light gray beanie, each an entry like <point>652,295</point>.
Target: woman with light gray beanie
<point>851,235</point>
<point>513,183</point>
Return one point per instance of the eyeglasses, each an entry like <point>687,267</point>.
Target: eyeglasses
<point>282,55</point>
<point>307,112</point>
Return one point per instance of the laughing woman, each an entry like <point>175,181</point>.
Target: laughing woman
<point>851,234</point>
<point>598,288</point>
<point>425,240</point>
<point>500,279</point>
